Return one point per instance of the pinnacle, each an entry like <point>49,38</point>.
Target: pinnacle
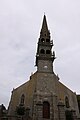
<point>44,24</point>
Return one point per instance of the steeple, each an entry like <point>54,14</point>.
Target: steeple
<point>44,29</point>
<point>44,56</point>
<point>44,24</point>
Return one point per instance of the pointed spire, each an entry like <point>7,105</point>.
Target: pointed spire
<point>44,24</point>
<point>44,29</point>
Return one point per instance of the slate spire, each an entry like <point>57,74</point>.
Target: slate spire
<point>44,56</point>
<point>44,24</point>
<point>44,29</point>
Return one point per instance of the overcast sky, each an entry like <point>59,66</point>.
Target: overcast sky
<point>20,24</point>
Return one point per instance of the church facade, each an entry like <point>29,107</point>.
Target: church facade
<point>44,97</point>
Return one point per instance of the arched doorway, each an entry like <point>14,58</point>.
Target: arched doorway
<point>46,110</point>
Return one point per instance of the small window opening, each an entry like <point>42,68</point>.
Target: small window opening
<point>22,99</point>
<point>42,51</point>
<point>67,102</point>
<point>47,40</point>
<point>42,40</point>
<point>48,51</point>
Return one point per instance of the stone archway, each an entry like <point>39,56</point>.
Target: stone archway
<point>46,110</point>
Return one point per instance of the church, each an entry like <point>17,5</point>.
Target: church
<point>43,97</point>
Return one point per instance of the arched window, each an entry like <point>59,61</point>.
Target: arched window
<point>67,102</point>
<point>47,40</point>
<point>48,51</point>
<point>46,110</point>
<point>42,40</point>
<point>42,51</point>
<point>22,99</point>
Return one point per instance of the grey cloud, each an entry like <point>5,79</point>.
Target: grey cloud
<point>20,23</point>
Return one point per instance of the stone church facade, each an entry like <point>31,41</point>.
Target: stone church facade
<point>44,97</point>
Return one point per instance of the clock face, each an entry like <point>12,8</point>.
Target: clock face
<point>45,66</point>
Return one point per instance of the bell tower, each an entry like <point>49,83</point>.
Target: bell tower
<point>45,56</point>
